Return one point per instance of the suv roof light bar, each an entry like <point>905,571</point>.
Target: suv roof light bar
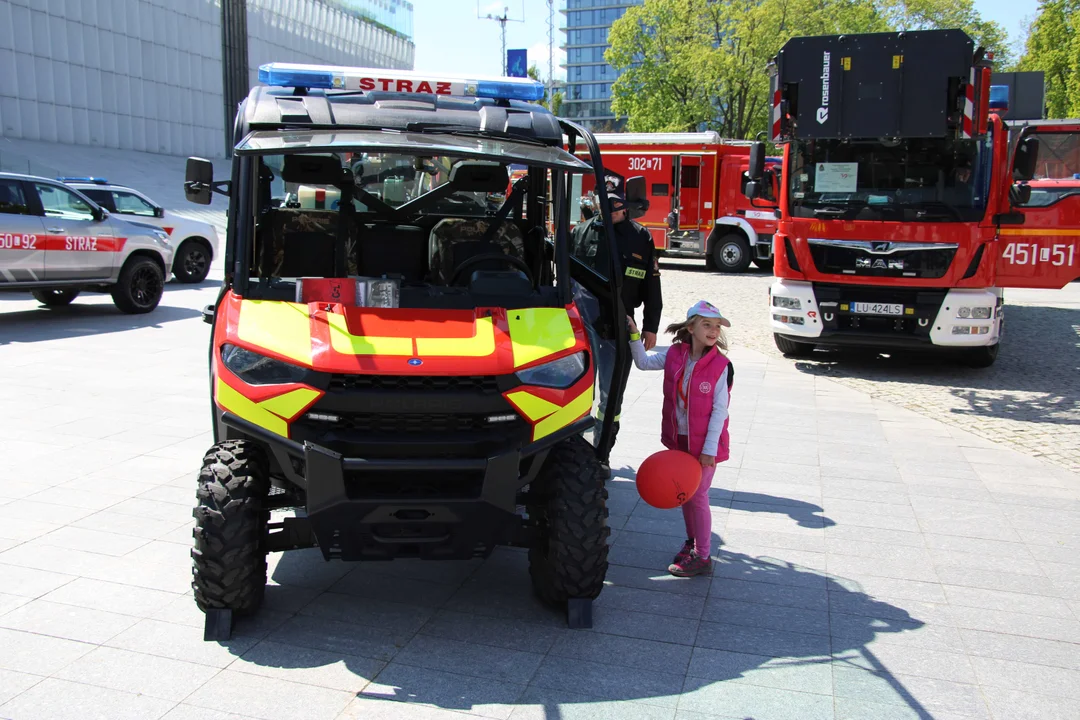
<point>333,77</point>
<point>95,180</point>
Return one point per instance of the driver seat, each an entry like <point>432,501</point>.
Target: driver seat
<point>454,240</point>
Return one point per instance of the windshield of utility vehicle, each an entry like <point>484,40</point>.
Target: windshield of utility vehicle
<point>911,180</point>
<point>376,181</point>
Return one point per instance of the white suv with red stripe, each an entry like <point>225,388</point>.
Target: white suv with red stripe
<point>56,242</point>
<point>195,243</point>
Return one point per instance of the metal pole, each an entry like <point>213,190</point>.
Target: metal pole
<point>234,63</point>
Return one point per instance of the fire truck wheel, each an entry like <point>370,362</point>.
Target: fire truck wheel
<point>792,348</point>
<point>568,502</point>
<point>55,297</point>
<point>731,253</point>
<point>230,528</point>
<point>981,357</point>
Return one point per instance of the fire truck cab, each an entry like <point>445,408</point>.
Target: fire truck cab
<point>694,186</point>
<point>906,202</point>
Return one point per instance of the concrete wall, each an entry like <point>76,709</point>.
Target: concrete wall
<point>312,32</point>
<point>132,74</point>
<point>146,74</point>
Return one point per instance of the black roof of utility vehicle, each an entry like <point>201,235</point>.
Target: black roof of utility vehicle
<point>281,108</point>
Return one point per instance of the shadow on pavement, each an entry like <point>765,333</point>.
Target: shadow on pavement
<point>471,636</point>
<point>77,320</point>
<point>1030,382</point>
<point>481,639</point>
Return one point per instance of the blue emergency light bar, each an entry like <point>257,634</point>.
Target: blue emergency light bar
<point>330,77</point>
<point>95,180</point>
<point>999,98</point>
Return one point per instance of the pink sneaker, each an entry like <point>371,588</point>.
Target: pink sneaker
<point>684,554</point>
<point>693,565</point>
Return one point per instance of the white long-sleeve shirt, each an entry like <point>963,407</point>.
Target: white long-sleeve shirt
<point>654,360</point>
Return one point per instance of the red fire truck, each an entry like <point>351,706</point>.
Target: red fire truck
<point>905,204</point>
<point>694,187</point>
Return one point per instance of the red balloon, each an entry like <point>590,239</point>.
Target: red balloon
<point>668,478</point>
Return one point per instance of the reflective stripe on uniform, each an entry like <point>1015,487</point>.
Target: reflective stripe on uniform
<point>280,327</point>
<point>538,332</point>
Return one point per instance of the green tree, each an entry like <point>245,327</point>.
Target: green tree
<point>1053,46</point>
<point>688,64</point>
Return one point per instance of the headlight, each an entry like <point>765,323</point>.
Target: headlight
<point>561,373</point>
<point>256,369</point>
<point>786,302</point>
<point>975,313</point>
<point>160,235</point>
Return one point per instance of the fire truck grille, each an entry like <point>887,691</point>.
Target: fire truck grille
<point>882,259</point>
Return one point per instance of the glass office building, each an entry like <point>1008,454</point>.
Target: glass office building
<point>588,77</point>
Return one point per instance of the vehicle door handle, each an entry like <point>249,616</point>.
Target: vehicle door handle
<point>55,230</point>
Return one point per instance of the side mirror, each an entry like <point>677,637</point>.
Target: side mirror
<point>1027,154</point>
<point>752,189</point>
<point>757,161</point>
<point>199,181</point>
<point>636,197</point>
<point>159,212</point>
<point>99,214</point>
<point>1020,194</point>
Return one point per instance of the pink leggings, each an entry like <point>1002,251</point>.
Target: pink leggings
<point>696,510</point>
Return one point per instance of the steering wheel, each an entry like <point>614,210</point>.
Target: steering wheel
<point>488,257</point>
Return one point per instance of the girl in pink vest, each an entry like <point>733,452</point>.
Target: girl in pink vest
<point>697,387</point>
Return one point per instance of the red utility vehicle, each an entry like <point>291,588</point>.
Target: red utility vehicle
<point>694,187</point>
<point>907,204</point>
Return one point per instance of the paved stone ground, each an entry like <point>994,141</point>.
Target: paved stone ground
<point>1029,399</point>
<point>900,568</point>
<point>871,561</point>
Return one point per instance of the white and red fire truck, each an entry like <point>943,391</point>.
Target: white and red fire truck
<point>694,186</point>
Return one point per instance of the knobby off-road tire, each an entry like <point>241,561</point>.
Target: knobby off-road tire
<point>230,528</point>
<point>569,502</point>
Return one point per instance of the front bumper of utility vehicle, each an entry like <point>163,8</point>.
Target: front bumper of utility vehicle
<point>436,508</point>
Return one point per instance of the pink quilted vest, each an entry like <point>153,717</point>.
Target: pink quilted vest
<point>699,400</point>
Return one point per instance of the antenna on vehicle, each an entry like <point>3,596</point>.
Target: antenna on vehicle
<point>502,20</point>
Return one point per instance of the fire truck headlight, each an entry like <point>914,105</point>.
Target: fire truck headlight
<point>561,373</point>
<point>964,312</point>
<point>256,369</point>
<point>981,313</point>
<point>787,303</point>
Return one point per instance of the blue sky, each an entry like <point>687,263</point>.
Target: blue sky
<point>451,38</point>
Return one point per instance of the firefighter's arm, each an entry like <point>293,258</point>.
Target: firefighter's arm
<point>654,301</point>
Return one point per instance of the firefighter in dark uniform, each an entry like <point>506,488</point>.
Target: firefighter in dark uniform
<point>640,284</point>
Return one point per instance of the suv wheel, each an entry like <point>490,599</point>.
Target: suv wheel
<point>140,286</point>
<point>568,501</point>
<point>55,297</point>
<point>192,262</point>
<point>230,528</point>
